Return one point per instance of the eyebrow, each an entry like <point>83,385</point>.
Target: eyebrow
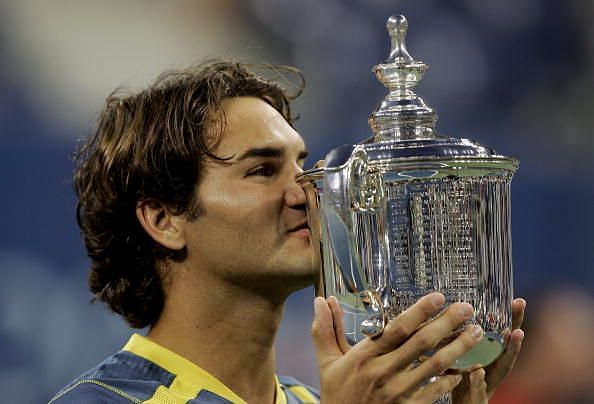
<point>274,152</point>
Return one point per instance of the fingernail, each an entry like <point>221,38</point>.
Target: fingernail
<point>317,301</point>
<point>437,299</point>
<point>477,331</point>
<point>521,332</point>
<point>521,301</point>
<point>477,376</point>
<point>466,310</point>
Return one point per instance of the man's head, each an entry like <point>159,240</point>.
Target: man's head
<point>149,155</point>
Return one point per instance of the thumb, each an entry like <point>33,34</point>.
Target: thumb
<point>324,336</point>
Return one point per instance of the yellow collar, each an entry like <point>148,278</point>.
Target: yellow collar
<point>190,378</point>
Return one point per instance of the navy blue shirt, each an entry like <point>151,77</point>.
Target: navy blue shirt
<point>145,372</point>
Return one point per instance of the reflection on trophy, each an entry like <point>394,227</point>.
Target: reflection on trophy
<point>408,212</point>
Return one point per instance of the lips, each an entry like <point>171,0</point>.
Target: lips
<point>300,226</point>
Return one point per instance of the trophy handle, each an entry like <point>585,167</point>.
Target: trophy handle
<point>345,253</point>
<point>352,274</point>
<point>376,320</point>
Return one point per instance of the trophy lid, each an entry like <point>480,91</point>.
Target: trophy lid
<point>403,125</point>
<point>402,115</point>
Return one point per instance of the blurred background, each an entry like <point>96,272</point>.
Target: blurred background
<point>516,76</point>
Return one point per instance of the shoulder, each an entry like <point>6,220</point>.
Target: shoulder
<point>121,378</point>
<point>298,392</point>
<point>91,392</point>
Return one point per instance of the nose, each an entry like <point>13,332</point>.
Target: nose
<point>295,195</point>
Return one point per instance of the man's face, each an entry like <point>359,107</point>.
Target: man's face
<point>253,229</point>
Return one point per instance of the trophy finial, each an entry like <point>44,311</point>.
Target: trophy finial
<point>397,26</point>
<point>397,22</point>
<point>402,115</point>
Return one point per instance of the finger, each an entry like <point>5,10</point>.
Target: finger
<point>436,389</point>
<point>337,317</point>
<point>444,358</point>
<point>518,309</point>
<point>497,371</point>
<point>400,328</point>
<point>322,331</point>
<point>478,387</point>
<point>428,336</point>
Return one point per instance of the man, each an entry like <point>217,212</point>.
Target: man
<point>196,228</point>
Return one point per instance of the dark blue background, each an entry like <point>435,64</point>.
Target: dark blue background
<point>531,98</point>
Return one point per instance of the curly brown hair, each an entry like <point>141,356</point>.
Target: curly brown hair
<point>151,146</point>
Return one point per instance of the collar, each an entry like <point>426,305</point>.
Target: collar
<point>190,378</point>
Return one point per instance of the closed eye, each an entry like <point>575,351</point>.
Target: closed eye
<point>262,171</point>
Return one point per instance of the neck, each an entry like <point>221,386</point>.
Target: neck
<point>226,330</point>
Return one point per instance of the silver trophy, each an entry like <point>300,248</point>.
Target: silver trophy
<point>408,212</point>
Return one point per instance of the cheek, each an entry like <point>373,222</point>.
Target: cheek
<point>244,213</point>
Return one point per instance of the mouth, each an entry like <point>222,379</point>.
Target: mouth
<point>301,228</point>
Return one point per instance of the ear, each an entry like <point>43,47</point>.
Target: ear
<point>162,226</point>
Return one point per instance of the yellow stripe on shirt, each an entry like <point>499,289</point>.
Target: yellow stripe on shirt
<point>303,394</point>
<point>190,378</point>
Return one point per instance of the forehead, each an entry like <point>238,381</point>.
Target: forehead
<point>252,123</point>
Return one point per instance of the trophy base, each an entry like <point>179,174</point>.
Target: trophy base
<point>483,354</point>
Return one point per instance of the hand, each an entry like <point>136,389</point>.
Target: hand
<point>480,385</point>
<point>381,369</point>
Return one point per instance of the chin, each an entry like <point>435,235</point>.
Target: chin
<point>298,272</point>
<point>298,283</point>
